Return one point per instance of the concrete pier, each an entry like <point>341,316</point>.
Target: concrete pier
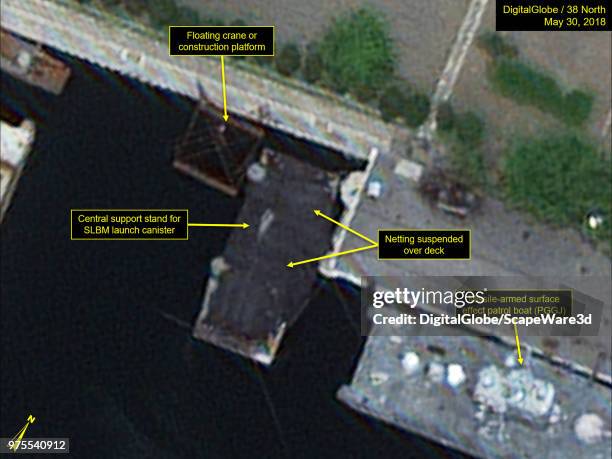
<point>257,94</point>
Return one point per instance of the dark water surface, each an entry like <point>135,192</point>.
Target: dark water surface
<point>87,347</point>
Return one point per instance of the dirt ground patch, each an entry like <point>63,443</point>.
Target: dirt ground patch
<point>577,60</point>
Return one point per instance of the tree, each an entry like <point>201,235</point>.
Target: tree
<point>110,3</point>
<point>357,54</point>
<point>416,108</point>
<point>264,61</point>
<point>392,103</point>
<point>186,16</point>
<point>497,46</point>
<point>289,59</point>
<point>135,7</point>
<point>163,13</point>
<point>313,65</point>
<point>403,100</point>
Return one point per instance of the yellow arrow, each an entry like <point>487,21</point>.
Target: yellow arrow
<point>223,225</point>
<point>518,346</point>
<point>19,435</point>
<point>331,255</point>
<point>225,115</point>
<point>321,214</point>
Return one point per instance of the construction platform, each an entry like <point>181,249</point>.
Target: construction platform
<point>215,151</point>
<point>252,298</point>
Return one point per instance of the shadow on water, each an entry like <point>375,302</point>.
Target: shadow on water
<point>87,344</point>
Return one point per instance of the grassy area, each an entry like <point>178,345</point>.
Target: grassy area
<point>559,179</point>
<point>527,86</point>
<point>463,134</point>
<point>467,165</point>
<point>522,82</point>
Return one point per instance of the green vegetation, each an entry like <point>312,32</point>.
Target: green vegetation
<point>469,128</point>
<point>186,16</point>
<point>313,64</point>
<point>528,86</point>
<point>446,117</point>
<point>289,59</point>
<point>135,8</point>
<point>401,100</point>
<point>264,61</point>
<point>159,16</point>
<point>357,54</point>
<point>496,46</point>
<point>417,108</point>
<point>164,13</point>
<point>466,161</point>
<point>559,179</point>
<point>518,80</point>
<point>467,165</point>
<point>578,105</point>
<point>463,134</point>
<point>392,103</point>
